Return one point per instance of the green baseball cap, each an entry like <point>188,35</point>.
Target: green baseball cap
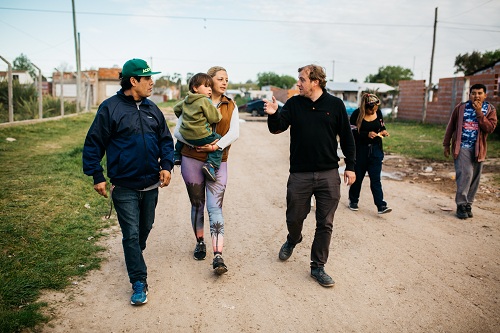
<point>137,67</point>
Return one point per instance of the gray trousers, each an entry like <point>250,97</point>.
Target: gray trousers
<point>468,173</point>
<point>301,186</point>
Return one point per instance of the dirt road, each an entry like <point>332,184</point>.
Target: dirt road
<point>417,269</point>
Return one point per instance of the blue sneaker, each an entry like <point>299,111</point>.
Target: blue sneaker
<point>140,293</point>
<point>209,172</point>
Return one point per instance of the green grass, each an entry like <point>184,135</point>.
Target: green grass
<point>425,141</point>
<point>166,104</point>
<point>48,236</point>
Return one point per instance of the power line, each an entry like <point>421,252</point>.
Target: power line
<point>218,18</point>
<point>462,25</point>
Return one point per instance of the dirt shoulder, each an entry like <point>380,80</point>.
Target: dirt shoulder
<point>417,269</point>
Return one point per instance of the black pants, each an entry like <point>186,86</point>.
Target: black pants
<point>368,159</point>
<point>301,186</point>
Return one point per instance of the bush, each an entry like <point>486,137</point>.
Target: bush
<point>25,103</point>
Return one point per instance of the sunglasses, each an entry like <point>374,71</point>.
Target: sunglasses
<point>370,105</point>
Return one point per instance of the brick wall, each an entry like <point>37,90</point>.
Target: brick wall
<point>449,94</point>
<point>411,100</point>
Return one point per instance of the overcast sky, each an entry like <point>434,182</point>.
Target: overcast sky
<point>349,38</point>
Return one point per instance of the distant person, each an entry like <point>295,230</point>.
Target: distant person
<point>198,116</point>
<point>132,132</point>
<point>315,119</point>
<point>368,129</point>
<point>467,130</point>
<point>211,193</point>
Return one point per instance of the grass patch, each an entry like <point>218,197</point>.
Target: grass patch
<point>48,236</point>
<point>167,104</point>
<point>425,141</point>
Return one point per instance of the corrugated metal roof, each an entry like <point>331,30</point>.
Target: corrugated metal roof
<point>357,86</point>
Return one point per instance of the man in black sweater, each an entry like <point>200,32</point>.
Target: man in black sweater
<point>315,119</point>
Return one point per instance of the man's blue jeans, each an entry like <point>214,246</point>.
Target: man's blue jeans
<point>136,215</point>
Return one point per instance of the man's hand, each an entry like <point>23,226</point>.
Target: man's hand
<point>101,189</point>
<point>165,177</point>
<point>349,177</point>
<point>446,152</point>
<point>270,107</point>
<point>478,107</point>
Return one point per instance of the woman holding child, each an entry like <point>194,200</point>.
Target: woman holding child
<point>200,190</point>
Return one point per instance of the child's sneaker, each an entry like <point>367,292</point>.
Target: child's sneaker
<point>209,172</point>
<point>140,293</point>
<point>177,158</point>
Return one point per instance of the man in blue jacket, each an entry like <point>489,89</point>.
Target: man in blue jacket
<point>132,132</point>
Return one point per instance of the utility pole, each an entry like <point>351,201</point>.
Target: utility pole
<point>40,97</point>
<point>77,54</point>
<point>427,91</point>
<point>61,73</point>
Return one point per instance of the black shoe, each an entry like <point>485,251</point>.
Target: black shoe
<point>200,251</point>
<point>286,251</point>
<point>384,209</point>
<point>462,212</point>
<point>353,206</point>
<point>320,275</point>
<point>468,209</point>
<point>218,265</point>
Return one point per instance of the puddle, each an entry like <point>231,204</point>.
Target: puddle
<point>390,175</point>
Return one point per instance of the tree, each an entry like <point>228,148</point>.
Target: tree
<point>189,75</point>
<point>273,79</point>
<point>390,75</point>
<point>22,63</point>
<point>470,63</point>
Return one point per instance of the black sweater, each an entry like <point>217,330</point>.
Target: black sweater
<point>361,137</point>
<point>313,134</point>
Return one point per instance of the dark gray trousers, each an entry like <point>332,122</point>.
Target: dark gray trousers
<point>301,186</point>
<point>468,173</point>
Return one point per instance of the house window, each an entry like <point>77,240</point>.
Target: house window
<point>15,77</point>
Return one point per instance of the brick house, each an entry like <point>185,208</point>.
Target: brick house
<point>448,93</point>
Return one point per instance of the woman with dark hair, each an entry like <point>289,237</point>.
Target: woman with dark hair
<point>368,128</point>
<point>201,191</point>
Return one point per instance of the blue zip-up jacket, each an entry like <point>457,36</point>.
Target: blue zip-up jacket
<point>136,140</point>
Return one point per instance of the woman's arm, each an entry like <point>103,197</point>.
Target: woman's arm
<point>177,133</point>
<point>234,130</point>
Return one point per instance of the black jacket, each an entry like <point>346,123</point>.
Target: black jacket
<point>136,140</point>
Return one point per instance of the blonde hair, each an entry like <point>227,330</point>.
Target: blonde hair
<point>365,100</point>
<point>213,70</point>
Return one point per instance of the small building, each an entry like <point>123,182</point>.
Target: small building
<point>352,91</point>
<point>23,77</point>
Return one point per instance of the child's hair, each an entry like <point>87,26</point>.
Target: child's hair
<point>200,79</point>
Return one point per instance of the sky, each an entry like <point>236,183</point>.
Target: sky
<point>351,39</point>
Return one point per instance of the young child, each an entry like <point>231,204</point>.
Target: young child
<point>198,116</point>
